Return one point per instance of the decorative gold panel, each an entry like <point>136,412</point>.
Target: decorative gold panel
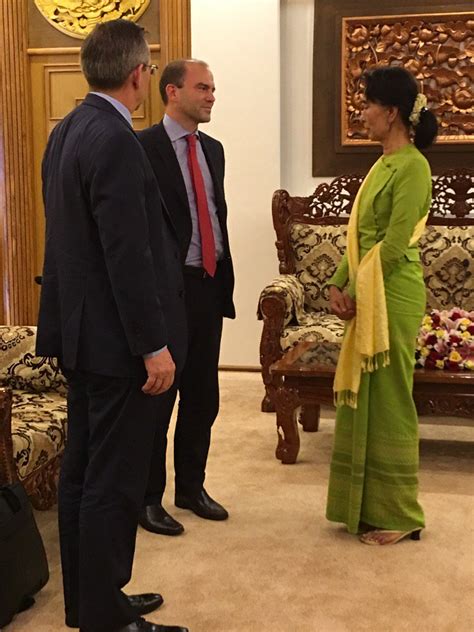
<point>77,18</point>
<point>437,48</point>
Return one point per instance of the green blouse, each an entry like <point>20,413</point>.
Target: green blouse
<point>395,197</point>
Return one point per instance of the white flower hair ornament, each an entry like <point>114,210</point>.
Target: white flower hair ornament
<point>418,107</point>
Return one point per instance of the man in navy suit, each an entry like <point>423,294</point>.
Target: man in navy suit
<point>189,167</point>
<point>112,311</point>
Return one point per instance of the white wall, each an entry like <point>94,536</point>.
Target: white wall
<point>296,36</point>
<point>240,39</point>
<point>261,54</point>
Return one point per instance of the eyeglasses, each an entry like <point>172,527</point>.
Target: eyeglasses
<point>153,68</point>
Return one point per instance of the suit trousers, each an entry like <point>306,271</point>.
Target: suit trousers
<point>198,389</point>
<point>111,428</point>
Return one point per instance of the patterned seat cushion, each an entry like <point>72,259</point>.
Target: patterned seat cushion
<point>326,331</point>
<point>39,423</point>
<point>20,368</point>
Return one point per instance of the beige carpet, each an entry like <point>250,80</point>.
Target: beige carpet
<point>277,565</point>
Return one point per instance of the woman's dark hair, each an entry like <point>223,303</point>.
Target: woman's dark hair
<point>393,85</point>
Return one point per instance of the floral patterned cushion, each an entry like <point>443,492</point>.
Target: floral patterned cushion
<point>326,330</point>
<point>447,253</point>
<point>19,367</point>
<point>317,251</point>
<point>38,429</point>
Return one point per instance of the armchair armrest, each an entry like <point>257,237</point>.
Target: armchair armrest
<point>280,302</point>
<point>287,292</point>
<point>7,467</point>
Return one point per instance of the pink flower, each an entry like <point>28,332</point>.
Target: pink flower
<point>446,340</point>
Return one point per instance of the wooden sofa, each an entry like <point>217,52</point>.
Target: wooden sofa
<point>33,416</point>
<point>311,237</point>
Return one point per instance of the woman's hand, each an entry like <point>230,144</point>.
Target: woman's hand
<point>341,304</point>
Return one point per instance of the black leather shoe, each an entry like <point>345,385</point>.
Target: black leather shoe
<point>146,626</point>
<point>157,520</point>
<point>202,505</point>
<point>146,603</point>
<point>142,604</point>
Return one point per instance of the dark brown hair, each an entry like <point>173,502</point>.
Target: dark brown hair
<point>174,73</point>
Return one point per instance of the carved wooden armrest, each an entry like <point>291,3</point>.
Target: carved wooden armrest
<point>8,472</point>
<point>286,294</point>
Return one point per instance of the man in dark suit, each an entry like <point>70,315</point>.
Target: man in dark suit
<point>189,167</point>
<point>112,312</point>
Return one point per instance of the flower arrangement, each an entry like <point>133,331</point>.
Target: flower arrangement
<point>446,341</point>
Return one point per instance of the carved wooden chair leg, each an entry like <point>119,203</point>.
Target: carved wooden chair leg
<point>8,473</point>
<point>268,405</point>
<point>309,417</point>
<point>287,400</point>
<point>271,388</point>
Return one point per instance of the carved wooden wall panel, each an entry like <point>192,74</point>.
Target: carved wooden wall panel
<point>435,41</point>
<point>437,49</point>
<point>77,19</point>
<point>43,35</point>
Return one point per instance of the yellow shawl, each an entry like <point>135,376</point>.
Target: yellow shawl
<point>366,340</point>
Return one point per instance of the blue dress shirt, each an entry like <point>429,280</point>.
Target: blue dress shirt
<point>177,136</point>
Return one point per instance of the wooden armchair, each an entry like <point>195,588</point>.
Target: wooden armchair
<point>311,238</point>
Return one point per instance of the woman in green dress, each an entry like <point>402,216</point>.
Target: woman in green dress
<point>378,289</point>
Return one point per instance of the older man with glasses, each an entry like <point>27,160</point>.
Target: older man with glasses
<point>112,312</point>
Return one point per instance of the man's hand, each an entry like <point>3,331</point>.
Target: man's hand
<point>160,369</point>
<point>341,304</point>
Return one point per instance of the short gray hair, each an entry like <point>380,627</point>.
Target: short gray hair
<point>111,52</point>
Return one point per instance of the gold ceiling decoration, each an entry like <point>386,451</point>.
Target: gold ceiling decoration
<point>77,18</point>
<point>437,48</point>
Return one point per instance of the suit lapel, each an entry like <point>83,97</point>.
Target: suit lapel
<point>165,154</point>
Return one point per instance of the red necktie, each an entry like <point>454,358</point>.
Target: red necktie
<point>208,245</point>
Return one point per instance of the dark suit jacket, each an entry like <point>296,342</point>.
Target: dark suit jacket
<point>163,159</point>
<point>112,287</point>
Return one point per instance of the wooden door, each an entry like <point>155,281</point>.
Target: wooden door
<point>40,82</point>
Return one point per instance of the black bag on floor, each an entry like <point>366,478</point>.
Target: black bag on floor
<point>23,564</point>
